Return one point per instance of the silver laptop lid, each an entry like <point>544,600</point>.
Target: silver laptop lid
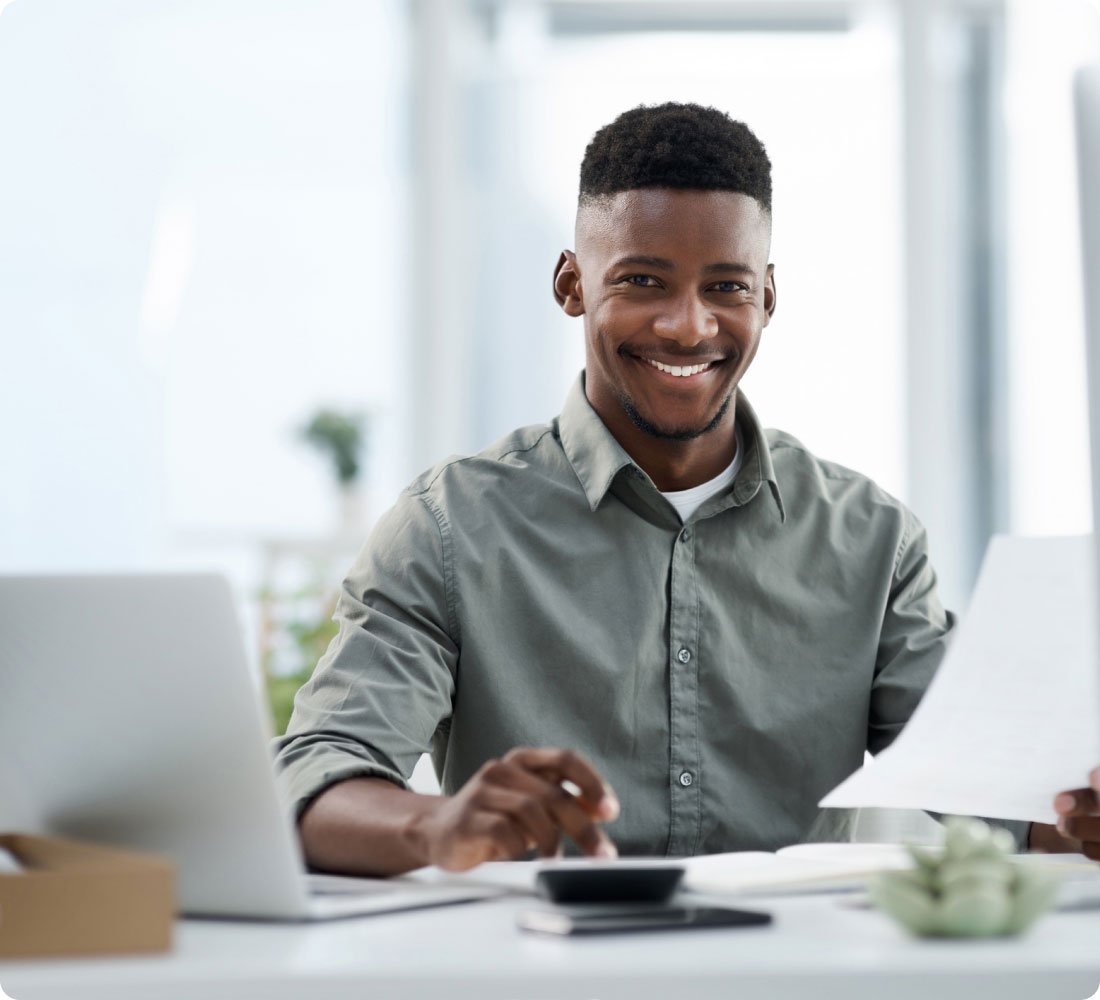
<point>128,715</point>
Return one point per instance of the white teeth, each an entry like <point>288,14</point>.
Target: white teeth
<point>678,370</point>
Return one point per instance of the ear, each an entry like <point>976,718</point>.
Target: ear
<point>567,284</point>
<point>769,294</point>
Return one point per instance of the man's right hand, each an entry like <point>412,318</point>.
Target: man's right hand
<point>526,800</point>
<point>519,803</point>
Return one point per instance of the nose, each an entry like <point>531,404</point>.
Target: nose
<point>688,320</point>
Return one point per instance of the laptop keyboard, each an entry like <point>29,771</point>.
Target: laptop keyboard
<point>347,885</point>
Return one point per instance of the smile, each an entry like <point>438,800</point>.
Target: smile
<point>678,370</point>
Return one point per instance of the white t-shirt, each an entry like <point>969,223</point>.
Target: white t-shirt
<point>687,502</point>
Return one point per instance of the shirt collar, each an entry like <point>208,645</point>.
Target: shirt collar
<point>591,448</point>
<point>757,467</point>
<point>597,458</point>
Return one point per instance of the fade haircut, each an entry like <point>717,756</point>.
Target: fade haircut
<point>675,146</point>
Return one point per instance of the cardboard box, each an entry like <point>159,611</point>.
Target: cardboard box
<point>74,898</point>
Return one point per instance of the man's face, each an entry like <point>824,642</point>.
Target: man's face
<point>675,288</point>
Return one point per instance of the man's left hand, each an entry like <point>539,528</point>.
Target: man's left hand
<point>1078,824</point>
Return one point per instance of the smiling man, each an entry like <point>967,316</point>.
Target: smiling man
<point>675,287</point>
<point>650,594</point>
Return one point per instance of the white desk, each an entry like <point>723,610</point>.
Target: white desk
<point>816,950</point>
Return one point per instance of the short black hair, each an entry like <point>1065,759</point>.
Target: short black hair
<point>676,146</point>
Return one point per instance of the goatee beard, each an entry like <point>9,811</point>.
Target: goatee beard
<point>672,433</point>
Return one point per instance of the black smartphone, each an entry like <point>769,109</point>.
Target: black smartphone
<point>604,920</point>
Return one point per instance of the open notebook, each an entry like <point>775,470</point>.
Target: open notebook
<point>799,870</point>
<point>837,867</point>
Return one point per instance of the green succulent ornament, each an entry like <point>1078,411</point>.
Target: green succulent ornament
<point>971,889</point>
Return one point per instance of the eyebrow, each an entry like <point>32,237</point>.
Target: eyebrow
<point>657,263</point>
<point>663,264</point>
<point>725,267</point>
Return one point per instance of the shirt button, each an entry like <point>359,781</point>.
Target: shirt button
<point>686,778</point>
<point>684,655</point>
<point>685,535</point>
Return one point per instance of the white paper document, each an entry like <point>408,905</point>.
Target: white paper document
<point>1013,715</point>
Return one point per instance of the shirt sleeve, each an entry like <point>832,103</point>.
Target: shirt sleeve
<point>387,680</point>
<point>916,631</point>
<point>912,642</point>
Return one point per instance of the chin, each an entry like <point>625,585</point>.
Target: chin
<point>670,432</point>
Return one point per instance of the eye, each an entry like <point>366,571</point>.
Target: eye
<point>729,287</point>
<point>641,280</point>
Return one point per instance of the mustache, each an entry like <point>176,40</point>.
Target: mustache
<point>661,351</point>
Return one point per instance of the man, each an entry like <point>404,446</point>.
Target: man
<point>649,594</point>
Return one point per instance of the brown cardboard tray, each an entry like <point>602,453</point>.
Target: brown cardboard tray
<point>74,898</point>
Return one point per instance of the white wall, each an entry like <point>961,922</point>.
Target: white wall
<point>201,241</point>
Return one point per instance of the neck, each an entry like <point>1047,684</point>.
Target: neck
<point>680,465</point>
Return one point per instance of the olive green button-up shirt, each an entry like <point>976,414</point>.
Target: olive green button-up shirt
<point>722,675</point>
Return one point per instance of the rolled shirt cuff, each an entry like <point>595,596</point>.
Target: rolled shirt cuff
<point>304,774</point>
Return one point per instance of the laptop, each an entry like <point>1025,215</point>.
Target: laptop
<point>129,716</point>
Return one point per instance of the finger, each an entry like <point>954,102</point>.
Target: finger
<point>1083,828</point>
<point>528,814</point>
<point>567,765</point>
<point>1077,802</point>
<point>565,810</point>
<point>1094,780</point>
<point>583,830</point>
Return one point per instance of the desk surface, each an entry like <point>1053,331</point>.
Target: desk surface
<point>817,948</point>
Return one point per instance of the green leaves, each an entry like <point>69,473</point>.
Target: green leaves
<point>973,888</point>
<point>340,437</point>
